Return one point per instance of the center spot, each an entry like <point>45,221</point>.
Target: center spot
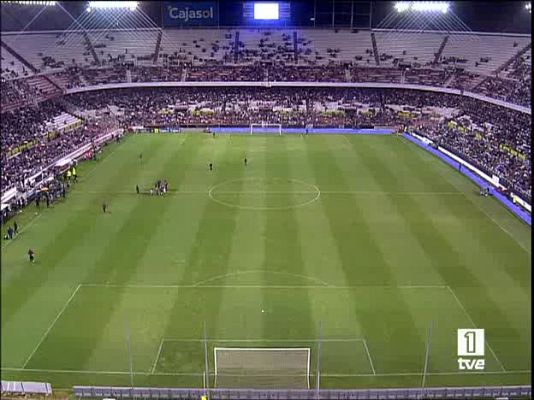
<point>264,193</point>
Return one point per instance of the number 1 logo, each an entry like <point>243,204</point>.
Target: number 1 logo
<point>471,342</point>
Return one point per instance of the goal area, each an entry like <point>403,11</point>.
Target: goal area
<point>273,368</point>
<point>265,128</point>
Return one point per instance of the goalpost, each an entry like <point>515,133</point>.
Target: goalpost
<point>266,128</point>
<point>274,368</point>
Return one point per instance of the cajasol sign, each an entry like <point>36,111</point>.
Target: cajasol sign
<point>187,13</point>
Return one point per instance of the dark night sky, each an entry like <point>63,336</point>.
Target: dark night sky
<point>484,16</point>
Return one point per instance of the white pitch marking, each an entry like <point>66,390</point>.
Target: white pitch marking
<point>51,326</point>
<point>73,371</point>
<point>498,224</point>
<point>268,340</point>
<point>317,191</point>
<point>474,325</point>
<point>369,355</point>
<point>70,371</point>
<point>259,286</point>
<point>357,192</point>
<point>157,357</point>
<point>253,271</point>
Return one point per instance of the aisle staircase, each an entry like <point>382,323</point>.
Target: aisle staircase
<point>440,50</point>
<point>375,48</point>
<point>91,48</point>
<point>158,47</point>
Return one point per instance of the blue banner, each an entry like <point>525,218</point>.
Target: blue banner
<point>187,13</point>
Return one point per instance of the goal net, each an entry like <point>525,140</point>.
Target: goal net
<point>265,128</point>
<point>273,368</point>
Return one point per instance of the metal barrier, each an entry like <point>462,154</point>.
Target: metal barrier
<point>23,388</point>
<point>323,394</point>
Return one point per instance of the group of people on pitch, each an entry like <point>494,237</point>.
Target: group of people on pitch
<point>160,187</point>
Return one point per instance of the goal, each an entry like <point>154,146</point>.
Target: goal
<point>266,128</point>
<point>273,368</point>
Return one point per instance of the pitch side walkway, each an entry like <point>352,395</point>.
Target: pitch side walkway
<point>517,210</point>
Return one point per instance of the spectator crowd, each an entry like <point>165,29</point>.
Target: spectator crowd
<point>28,145</point>
<point>493,137</point>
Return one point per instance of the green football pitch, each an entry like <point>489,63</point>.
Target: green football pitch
<point>366,250</point>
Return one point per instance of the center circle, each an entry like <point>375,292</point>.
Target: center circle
<point>264,193</point>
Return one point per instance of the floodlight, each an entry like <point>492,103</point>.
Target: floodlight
<point>422,6</point>
<point>528,7</point>
<point>109,5</point>
<point>402,6</point>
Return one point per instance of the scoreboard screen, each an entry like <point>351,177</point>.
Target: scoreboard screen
<point>266,12</point>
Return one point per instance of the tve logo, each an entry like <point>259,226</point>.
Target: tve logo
<point>471,344</point>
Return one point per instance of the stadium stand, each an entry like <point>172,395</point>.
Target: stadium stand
<point>409,48</point>
<point>497,139</point>
<point>261,45</point>
<point>15,93</point>
<point>46,51</point>
<point>198,47</point>
<point>316,47</point>
<point>481,54</point>
<point>464,61</point>
<point>12,68</point>
<point>41,66</point>
<point>125,46</point>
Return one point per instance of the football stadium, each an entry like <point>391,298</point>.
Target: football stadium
<point>324,199</point>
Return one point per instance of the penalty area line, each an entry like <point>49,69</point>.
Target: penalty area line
<point>51,326</point>
<point>111,285</point>
<point>369,356</point>
<point>157,357</point>
<point>92,372</point>
<point>475,326</point>
<point>263,340</point>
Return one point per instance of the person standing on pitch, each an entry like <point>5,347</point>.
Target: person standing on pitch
<point>137,189</point>
<point>104,207</point>
<point>245,161</point>
<point>211,167</point>
<point>31,255</point>
<point>15,228</point>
